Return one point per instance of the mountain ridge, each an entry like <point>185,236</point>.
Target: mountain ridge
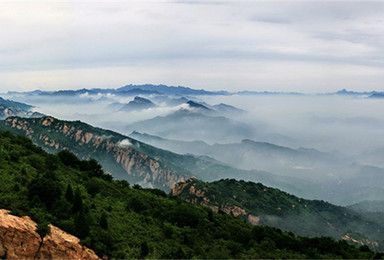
<point>262,205</point>
<point>13,108</point>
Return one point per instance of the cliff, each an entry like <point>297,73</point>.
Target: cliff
<point>19,240</point>
<point>119,155</point>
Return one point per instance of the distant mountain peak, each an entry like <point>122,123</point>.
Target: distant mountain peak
<point>196,105</point>
<point>141,100</point>
<point>138,103</point>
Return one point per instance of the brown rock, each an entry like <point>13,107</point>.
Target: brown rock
<point>61,245</point>
<point>19,240</point>
<point>18,237</point>
<point>253,220</point>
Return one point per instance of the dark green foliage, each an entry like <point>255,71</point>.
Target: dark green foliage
<point>125,223</point>
<point>69,193</point>
<point>103,221</point>
<point>69,159</point>
<point>81,225</point>
<point>51,162</point>
<point>144,250</point>
<point>46,187</point>
<point>185,215</point>
<point>157,192</point>
<point>136,204</point>
<point>42,229</point>
<point>282,210</point>
<point>16,188</point>
<point>93,186</point>
<point>77,202</point>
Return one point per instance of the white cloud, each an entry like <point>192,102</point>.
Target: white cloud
<point>124,143</point>
<point>52,45</point>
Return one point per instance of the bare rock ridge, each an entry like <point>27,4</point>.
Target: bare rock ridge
<point>111,151</point>
<point>19,240</point>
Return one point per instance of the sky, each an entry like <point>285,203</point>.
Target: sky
<point>304,46</point>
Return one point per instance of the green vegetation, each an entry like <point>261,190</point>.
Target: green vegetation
<point>203,167</point>
<point>287,212</point>
<point>120,221</point>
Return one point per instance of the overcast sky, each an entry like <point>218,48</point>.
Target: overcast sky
<point>307,46</point>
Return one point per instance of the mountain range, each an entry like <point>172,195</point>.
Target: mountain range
<point>126,158</point>
<point>161,89</point>
<point>129,90</point>
<point>155,162</point>
<point>352,183</point>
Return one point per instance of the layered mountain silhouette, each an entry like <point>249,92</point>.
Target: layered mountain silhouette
<point>348,186</point>
<point>137,162</point>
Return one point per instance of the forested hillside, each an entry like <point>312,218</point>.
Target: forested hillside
<point>264,205</point>
<point>119,221</point>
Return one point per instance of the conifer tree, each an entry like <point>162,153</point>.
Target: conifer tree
<point>69,193</point>
<point>81,226</point>
<point>104,221</point>
<point>77,202</point>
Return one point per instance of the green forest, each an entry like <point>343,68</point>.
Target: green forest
<point>118,220</point>
<point>277,208</point>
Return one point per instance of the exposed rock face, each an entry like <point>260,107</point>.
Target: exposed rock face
<point>58,244</point>
<point>18,237</point>
<point>122,160</point>
<point>361,241</point>
<point>6,111</point>
<point>188,191</point>
<point>19,240</point>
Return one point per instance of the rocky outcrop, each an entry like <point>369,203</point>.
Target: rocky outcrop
<point>362,240</point>
<point>18,237</point>
<point>11,111</point>
<point>189,191</point>
<point>19,240</point>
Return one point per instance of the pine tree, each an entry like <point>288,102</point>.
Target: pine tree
<point>69,193</point>
<point>81,226</point>
<point>77,202</point>
<point>104,221</point>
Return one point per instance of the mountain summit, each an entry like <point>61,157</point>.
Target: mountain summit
<point>138,103</point>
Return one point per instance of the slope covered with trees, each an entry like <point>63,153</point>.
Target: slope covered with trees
<point>134,161</point>
<point>264,205</point>
<point>120,221</point>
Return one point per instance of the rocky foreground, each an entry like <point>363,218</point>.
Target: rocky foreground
<point>19,240</point>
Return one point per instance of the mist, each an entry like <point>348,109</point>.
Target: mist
<point>332,141</point>
<point>332,123</point>
<point>342,125</point>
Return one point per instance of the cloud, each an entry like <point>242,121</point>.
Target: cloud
<point>61,44</point>
<point>124,143</point>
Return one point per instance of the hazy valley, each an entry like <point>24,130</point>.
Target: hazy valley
<point>160,137</point>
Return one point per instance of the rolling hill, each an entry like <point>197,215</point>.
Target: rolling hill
<point>262,205</point>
